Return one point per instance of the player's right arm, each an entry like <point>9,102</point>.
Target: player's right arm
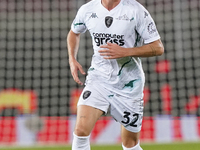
<point>73,45</point>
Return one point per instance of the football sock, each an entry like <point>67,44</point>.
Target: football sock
<point>136,147</point>
<point>81,142</point>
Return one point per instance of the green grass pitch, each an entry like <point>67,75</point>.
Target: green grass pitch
<point>172,146</point>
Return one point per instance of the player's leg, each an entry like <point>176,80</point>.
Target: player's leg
<point>130,140</point>
<point>131,120</point>
<point>129,113</point>
<point>86,119</point>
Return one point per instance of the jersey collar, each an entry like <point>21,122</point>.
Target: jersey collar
<point>111,9</point>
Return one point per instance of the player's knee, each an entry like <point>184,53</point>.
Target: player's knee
<point>130,142</point>
<point>81,132</point>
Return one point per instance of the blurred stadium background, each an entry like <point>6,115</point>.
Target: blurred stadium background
<point>38,95</point>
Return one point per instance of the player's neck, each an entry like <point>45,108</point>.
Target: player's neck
<point>110,4</point>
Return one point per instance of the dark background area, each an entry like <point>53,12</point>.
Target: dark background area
<point>33,54</point>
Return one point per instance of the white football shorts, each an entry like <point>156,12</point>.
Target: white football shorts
<point>126,111</point>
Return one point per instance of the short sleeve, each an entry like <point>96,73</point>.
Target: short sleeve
<point>146,26</point>
<point>78,24</point>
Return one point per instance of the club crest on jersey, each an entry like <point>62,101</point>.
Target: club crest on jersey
<point>108,21</point>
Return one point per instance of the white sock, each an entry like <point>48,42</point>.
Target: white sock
<point>81,142</point>
<point>136,147</point>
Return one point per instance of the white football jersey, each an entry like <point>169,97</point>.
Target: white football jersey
<point>129,24</point>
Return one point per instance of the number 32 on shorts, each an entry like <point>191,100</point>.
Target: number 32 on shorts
<point>129,121</point>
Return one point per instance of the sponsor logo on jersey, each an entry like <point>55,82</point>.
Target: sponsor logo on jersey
<point>103,38</point>
<point>108,21</point>
<point>86,94</point>
<point>123,17</point>
<point>151,28</point>
<point>93,15</point>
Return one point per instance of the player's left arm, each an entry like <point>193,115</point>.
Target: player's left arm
<point>113,51</point>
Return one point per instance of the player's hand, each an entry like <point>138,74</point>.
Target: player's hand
<point>75,67</point>
<point>112,51</point>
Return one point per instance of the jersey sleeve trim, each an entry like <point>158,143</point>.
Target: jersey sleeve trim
<point>152,39</point>
<point>77,24</point>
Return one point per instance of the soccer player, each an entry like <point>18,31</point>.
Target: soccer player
<point>122,31</point>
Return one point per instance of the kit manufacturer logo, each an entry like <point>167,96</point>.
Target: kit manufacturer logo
<point>93,15</point>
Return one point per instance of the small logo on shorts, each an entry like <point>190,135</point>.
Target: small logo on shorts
<point>86,94</point>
